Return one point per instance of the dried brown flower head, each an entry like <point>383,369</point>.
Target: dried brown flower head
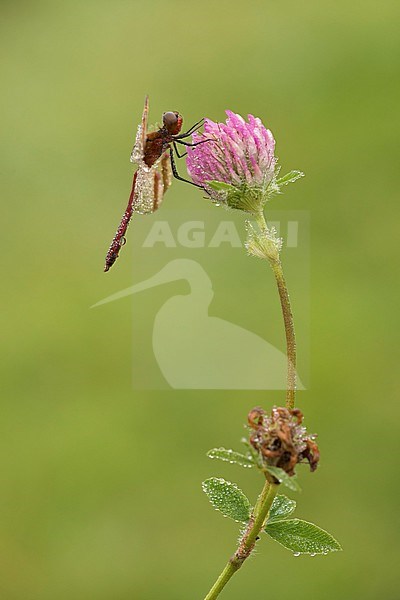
<point>281,439</point>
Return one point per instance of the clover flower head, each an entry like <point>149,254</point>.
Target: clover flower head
<point>237,165</point>
<point>281,440</point>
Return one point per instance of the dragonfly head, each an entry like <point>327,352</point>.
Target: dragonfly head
<point>172,122</point>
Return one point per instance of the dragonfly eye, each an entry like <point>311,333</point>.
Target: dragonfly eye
<point>170,118</point>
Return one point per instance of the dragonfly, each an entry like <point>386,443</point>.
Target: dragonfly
<point>153,153</point>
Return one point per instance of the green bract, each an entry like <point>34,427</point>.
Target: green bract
<point>290,177</point>
<point>263,243</point>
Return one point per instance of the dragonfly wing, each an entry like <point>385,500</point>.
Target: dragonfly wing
<point>158,190</point>
<point>141,134</point>
<point>152,183</point>
<point>145,117</point>
<point>166,171</point>
<point>162,179</point>
<point>149,190</point>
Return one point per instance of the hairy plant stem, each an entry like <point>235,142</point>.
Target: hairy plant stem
<point>277,269</point>
<point>249,538</point>
<point>264,502</point>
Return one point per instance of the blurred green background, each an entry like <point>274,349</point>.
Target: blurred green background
<point>100,483</point>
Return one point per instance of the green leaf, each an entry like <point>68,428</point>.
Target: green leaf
<point>302,537</point>
<point>283,477</point>
<point>227,498</point>
<point>289,178</point>
<point>220,186</point>
<point>231,456</point>
<point>282,507</point>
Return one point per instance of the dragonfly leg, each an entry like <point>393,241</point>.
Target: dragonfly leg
<point>195,143</point>
<point>177,176</point>
<point>177,151</point>
<point>192,129</point>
